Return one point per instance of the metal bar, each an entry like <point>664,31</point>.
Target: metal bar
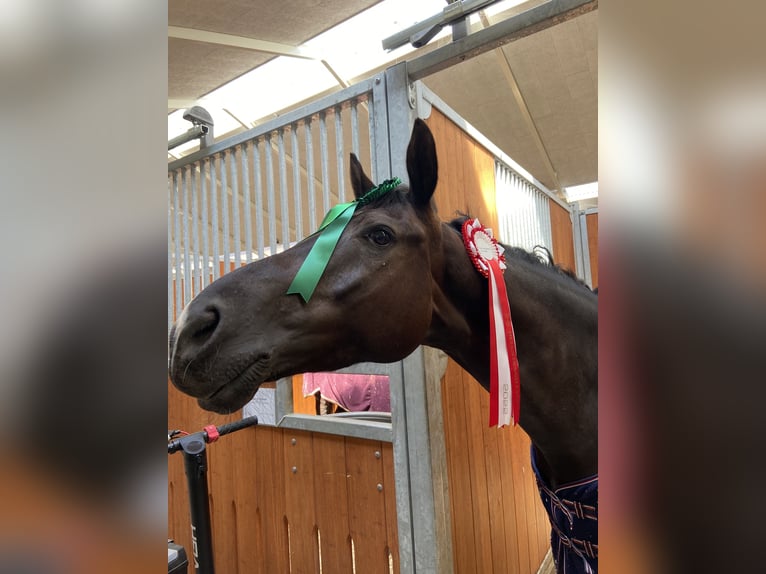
<point>339,154</point>
<point>283,199</point>
<point>177,239</point>
<point>205,268</point>
<point>521,25</point>
<point>323,160</point>
<point>171,306</point>
<point>225,213</point>
<point>373,137</point>
<point>235,208</point>
<point>298,114</point>
<point>421,33</point>
<point>214,217</point>
<point>369,430</point>
<point>258,198</point>
<point>186,260</point>
<point>272,202</point>
<point>355,128</point>
<point>297,183</point>
<point>196,282</point>
<point>191,134</point>
<point>379,112</point>
<point>310,175</point>
<point>244,157</point>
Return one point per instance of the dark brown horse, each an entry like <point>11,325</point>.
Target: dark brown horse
<point>399,278</point>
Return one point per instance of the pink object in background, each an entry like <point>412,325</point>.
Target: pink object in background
<point>352,392</point>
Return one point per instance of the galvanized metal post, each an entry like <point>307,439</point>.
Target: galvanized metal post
<point>421,549</point>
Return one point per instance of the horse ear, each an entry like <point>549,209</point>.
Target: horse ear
<point>422,166</point>
<point>360,183</point>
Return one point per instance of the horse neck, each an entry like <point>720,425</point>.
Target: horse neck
<point>555,328</point>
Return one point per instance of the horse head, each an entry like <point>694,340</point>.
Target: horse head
<point>372,303</point>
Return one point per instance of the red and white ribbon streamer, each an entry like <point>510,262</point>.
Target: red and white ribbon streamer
<point>504,388</point>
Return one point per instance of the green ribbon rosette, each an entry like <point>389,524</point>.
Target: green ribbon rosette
<point>329,231</point>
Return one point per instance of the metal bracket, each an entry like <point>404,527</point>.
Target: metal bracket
<point>202,130</point>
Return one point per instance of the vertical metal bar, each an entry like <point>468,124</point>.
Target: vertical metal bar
<point>379,117</point>
<point>323,160</point>
<point>225,213</point>
<point>186,275</point>
<point>371,126</point>
<point>297,183</point>
<point>271,198</point>
<point>171,306</point>
<point>245,158</point>
<point>283,199</point>
<point>177,234</point>
<point>235,208</point>
<point>258,197</point>
<point>205,267</point>
<point>339,154</point>
<point>196,275</point>
<point>214,218</point>
<point>310,175</point>
<point>549,225</point>
<point>355,127</point>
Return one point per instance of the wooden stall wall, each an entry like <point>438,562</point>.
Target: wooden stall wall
<point>283,501</point>
<point>498,522</point>
<point>563,239</point>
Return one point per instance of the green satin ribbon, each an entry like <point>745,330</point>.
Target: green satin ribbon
<point>330,230</point>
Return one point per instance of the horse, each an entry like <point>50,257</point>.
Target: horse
<point>398,278</point>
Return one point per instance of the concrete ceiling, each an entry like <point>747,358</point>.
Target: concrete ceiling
<point>536,98</point>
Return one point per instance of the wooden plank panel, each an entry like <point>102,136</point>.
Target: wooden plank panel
<point>464,549</point>
<point>592,224</point>
<point>270,495</point>
<point>366,505</point>
<point>221,462</point>
<point>508,486</point>
<point>301,404</point>
<point>246,475</point>
<point>331,502</point>
<point>520,448</point>
<point>477,471</point>
<point>389,494</point>
<point>298,476</point>
<point>561,232</point>
<point>492,439</point>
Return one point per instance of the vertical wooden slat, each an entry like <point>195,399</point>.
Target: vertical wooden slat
<point>493,463</point>
<point>298,476</point>
<point>477,471</point>
<point>331,502</point>
<point>366,505</point>
<point>561,232</point>
<point>247,471</point>
<point>270,492</point>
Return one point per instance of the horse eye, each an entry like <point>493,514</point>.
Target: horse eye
<point>380,237</point>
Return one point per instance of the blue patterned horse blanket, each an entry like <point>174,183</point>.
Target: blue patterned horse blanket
<point>573,511</point>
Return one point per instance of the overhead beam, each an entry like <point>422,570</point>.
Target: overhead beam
<point>521,25</point>
<point>231,40</point>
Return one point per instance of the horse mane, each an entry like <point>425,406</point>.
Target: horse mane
<point>539,255</point>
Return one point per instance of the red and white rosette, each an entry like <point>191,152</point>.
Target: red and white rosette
<point>504,390</point>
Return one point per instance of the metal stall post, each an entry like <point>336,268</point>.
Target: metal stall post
<point>581,247</point>
<point>425,543</point>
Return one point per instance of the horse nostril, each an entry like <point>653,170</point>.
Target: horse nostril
<point>205,324</point>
